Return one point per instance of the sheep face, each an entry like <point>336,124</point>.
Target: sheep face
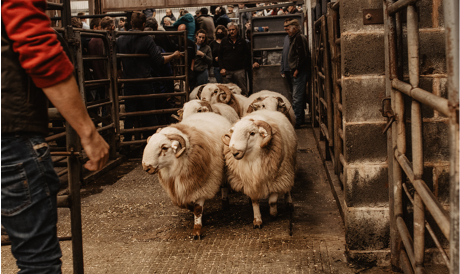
<point>248,136</point>
<point>195,106</point>
<point>210,93</point>
<point>162,151</point>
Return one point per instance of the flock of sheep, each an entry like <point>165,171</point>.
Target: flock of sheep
<point>224,137</point>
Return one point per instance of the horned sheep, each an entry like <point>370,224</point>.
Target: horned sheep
<point>196,92</point>
<point>198,106</point>
<point>270,100</point>
<point>216,93</point>
<point>188,158</point>
<point>260,155</point>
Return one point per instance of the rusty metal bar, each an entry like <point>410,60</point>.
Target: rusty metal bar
<point>341,133</point>
<point>118,33</point>
<point>431,203</point>
<point>89,34</point>
<point>339,106</point>
<point>95,57</point>
<point>96,83</point>
<point>133,130</point>
<point>430,230</point>
<point>400,5</point>
<point>151,79</point>
<point>323,102</point>
<point>405,263</point>
<point>99,105</point>
<point>149,112</point>
<point>55,137</point>
<point>159,95</point>
<point>321,75</point>
<point>325,133</point>
<point>59,159</point>
<point>112,125</point>
<point>141,55</point>
<point>53,114</point>
<point>406,239</point>
<point>338,41</point>
<point>53,6</point>
<point>336,5</point>
<point>64,153</point>
<point>63,201</point>
<point>136,142</point>
<point>427,98</point>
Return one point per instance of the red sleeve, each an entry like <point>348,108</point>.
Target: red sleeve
<point>40,53</point>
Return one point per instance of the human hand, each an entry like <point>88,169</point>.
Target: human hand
<point>283,75</point>
<point>97,150</point>
<point>255,65</point>
<point>199,53</point>
<point>176,54</point>
<point>296,72</point>
<point>217,59</point>
<point>223,72</point>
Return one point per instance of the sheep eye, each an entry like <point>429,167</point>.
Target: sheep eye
<point>199,110</point>
<point>263,106</point>
<point>252,133</point>
<point>215,91</point>
<point>164,148</point>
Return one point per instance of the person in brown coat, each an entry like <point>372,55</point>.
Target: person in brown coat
<point>204,21</point>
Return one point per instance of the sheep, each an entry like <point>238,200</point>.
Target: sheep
<point>260,154</point>
<point>196,92</point>
<point>198,106</point>
<point>188,158</point>
<point>270,100</point>
<point>222,94</point>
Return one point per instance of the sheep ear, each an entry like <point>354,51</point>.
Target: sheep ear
<point>265,130</point>
<point>250,108</point>
<point>158,130</point>
<point>175,145</point>
<point>226,139</point>
<point>148,139</point>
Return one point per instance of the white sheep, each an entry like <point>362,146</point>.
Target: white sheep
<point>188,158</point>
<point>270,100</point>
<point>199,106</point>
<point>196,92</point>
<point>216,93</point>
<point>260,154</point>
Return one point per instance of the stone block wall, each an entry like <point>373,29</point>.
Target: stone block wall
<point>366,193</point>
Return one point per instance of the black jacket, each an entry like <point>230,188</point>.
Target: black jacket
<point>234,56</point>
<point>202,63</point>
<point>299,55</point>
<point>215,47</point>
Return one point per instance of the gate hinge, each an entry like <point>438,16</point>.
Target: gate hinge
<point>387,112</point>
<point>73,42</point>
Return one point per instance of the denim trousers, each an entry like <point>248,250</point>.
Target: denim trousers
<point>237,77</point>
<point>201,77</point>
<point>29,203</point>
<point>218,76</point>
<point>299,95</point>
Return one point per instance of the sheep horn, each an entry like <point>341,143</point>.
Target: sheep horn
<point>148,139</point>
<point>158,130</point>
<point>226,139</point>
<point>206,104</point>
<point>181,140</point>
<point>176,117</point>
<point>268,128</point>
<point>228,94</point>
<point>200,89</point>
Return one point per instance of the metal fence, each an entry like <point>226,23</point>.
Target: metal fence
<point>407,252</point>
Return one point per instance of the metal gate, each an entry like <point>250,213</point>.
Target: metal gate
<point>407,252</point>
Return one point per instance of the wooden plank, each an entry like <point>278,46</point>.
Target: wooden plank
<point>138,5</point>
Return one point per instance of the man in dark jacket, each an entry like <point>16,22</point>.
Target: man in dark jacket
<point>205,22</point>
<point>134,68</point>
<point>299,65</point>
<point>34,69</point>
<point>223,18</point>
<point>234,58</point>
<point>168,14</point>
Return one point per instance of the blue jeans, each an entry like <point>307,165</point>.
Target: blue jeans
<point>201,77</point>
<point>299,95</point>
<point>29,207</point>
<point>218,76</point>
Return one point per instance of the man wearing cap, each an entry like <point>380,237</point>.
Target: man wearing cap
<point>299,65</point>
<point>230,12</point>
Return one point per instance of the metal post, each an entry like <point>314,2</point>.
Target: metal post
<point>416,132</point>
<point>395,172</point>
<point>327,89</point>
<point>116,102</point>
<point>187,91</point>
<point>111,94</point>
<point>74,173</point>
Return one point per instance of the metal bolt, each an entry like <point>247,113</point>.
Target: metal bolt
<point>368,16</point>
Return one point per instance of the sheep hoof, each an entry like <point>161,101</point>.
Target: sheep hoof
<point>257,224</point>
<point>197,232</point>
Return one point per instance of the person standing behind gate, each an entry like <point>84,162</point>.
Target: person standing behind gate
<point>189,22</point>
<point>299,65</point>
<point>205,21</point>
<point>221,33</point>
<point>203,58</point>
<point>234,58</point>
<point>284,68</point>
<point>35,69</point>
<point>135,68</point>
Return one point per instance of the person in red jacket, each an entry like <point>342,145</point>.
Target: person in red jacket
<point>34,68</point>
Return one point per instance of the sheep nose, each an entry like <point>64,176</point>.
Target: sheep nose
<point>150,169</point>
<point>238,154</point>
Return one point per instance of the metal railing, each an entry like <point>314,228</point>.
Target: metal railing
<point>322,104</point>
<point>333,30</point>
<point>180,74</point>
<point>411,257</point>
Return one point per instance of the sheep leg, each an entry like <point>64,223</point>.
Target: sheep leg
<point>272,201</point>
<point>257,223</point>
<point>224,193</point>
<point>198,213</point>
<point>288,200</point>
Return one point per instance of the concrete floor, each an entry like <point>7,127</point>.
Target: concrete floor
<point>131,226</point>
